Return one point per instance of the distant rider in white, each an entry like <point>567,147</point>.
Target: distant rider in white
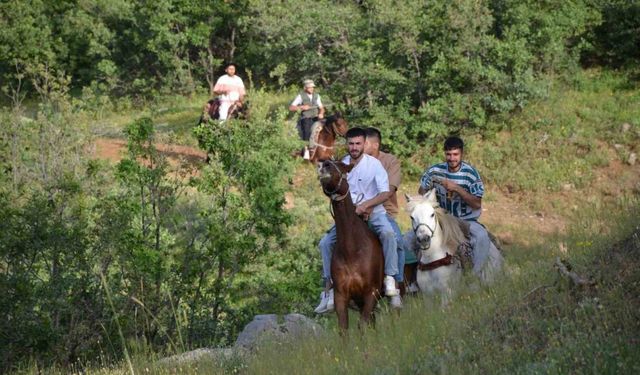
<point>230,89</point>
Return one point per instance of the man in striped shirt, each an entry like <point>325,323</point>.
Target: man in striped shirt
<point>459,189</point>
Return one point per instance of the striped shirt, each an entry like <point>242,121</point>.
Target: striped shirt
<point>467,177</point>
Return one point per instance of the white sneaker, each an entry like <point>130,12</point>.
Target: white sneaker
<point>390,286</point>
<point>330,305</point>
<point>323,304</point>
<point>306,154</point>
<point>326,303</point>
<point>396,302</point>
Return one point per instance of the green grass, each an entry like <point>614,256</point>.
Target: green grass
<point>565,138</point>
<point>531,320</point>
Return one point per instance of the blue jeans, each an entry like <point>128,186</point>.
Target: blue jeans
<point>382,228</point>
<point>401,248</point>
<point>480,243</point>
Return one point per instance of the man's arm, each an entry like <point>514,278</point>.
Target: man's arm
<point>472,200</point>
<point>367,206</point>
<point>321,112</point>
<point>296,104</point>
<point>425,182</point>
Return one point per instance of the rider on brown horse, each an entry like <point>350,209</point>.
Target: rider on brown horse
<point>312,110</point>
<point>369,188</point>
<point>231,91</point>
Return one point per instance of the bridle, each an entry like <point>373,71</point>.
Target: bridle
<point>446,261</point>
<point>431,230</point>
<point>333,194</point>
<point>335,131</point>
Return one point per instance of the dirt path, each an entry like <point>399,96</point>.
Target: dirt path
<point>114,149</point>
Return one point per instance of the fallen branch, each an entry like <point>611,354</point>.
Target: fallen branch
<point>565,269</point>
<point>540,287</point>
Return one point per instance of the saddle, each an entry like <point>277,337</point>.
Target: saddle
<point>316,128</point>
<point>465,250</point>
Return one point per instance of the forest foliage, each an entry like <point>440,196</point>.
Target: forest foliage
<point>173,250</point>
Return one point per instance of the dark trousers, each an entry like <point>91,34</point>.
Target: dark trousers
<point>304,127</point>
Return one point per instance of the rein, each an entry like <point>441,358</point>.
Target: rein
<point>333,194</point>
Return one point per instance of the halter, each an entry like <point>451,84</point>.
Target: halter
<point>431,230</point>
<point>446,261</point>
<point>332,194</point>
<point>415,229</point>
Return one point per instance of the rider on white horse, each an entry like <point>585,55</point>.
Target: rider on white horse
<point>459,190</point>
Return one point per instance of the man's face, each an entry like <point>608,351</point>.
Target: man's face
<point>453,158</point>
<point>370,146</point>
<point>231,70</point>
<point>309,89</point>
<point>356,147</point>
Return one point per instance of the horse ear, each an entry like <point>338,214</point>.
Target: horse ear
<point>431,197</point>
<point>346,168</point>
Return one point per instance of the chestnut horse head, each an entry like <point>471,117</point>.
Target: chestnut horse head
<point>357,264</point>
<point>334,126</point>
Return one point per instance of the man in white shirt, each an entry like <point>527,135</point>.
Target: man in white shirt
<point>368,182</point>
<point>230,89</point>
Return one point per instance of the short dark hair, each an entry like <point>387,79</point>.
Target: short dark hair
<point>373,133</point>
<point>453,143</point>
<point>356,132</point>
<point>230,64</point>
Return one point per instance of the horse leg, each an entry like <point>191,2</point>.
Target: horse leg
<point>366,313</point>
<point>341,306</point>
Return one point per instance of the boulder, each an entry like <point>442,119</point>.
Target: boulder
<point>261,328</point>
<point>267,327</point>
<point>212,354</point>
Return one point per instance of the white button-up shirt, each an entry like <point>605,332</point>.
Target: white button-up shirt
<point>366,180</point>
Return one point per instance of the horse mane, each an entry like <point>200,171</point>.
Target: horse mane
<point>452,227</point>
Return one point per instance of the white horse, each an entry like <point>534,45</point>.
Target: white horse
<point>438,236</point>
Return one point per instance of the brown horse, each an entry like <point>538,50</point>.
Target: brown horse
<point>213,109</point>
<point>357,264</point>
<point>324,145</point>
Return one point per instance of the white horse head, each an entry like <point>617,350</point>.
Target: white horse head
<point>431,225</point>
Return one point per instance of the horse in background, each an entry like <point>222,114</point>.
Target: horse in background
<point>357,264</point>
<point>440,239</point>
<point>323,137</point>
<point>212,108</point>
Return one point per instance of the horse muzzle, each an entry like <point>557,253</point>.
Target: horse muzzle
<point>424,242</point>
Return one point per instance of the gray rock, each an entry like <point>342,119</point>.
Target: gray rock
<point>259,328</point>
<point>213,354</point>
<point>632,158</point>
<point>299,326</point>
<point>266,327</point>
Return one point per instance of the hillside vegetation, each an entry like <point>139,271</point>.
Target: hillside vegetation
<point>120,245</point>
